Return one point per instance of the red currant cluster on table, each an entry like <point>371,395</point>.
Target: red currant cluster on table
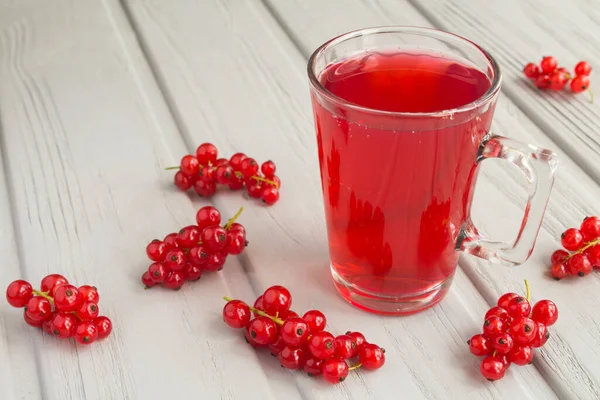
<point>300,343</point>
<point>204,171</point>
<point>548,75</point>
<point>510,332</point>
<point>582,250</point>
<point>61,309</point>
<point>182,256</point>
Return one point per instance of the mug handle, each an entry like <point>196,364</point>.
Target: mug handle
<point>539,166</point>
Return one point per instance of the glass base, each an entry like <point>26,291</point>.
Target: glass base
<point>409,303</point>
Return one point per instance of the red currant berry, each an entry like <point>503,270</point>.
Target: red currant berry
<point>493,326</point>
<point>277,300</point>
<point>208,216</point>
<point>492,368</point>
<point>221,161</point>
<point>51,282</point>
<point>277,181</point>
<point>542,81</point>
<point>480,345</point>
<point>19,293</point>
<point>545,312</point>
<point>358,338</point>
<point>572,239</point>
<point>188,237</point>
<point>249,339</point>
<point>175,260</point>
<point>39,309</point>
<point>237,227</point>
<point>503,343</point>
<point>292,357</point>
<point>248,167</point>
<point>47,326</point>
<point>593,254</point>
<point>258,304</point>
<point>88,311</point>
<point>235,243</point>
<point>147,280</point>
<point>216,261</point>
<point>548,64</point>
<point>321,345</point>
<point>270,195</point>
<point>294,331</point>
<point>182,181</point>
<point>541,337</point>
<point>67,298</point>
<point>33,322</point>
<point>498,312</point>
<point>207,174</point>
<point>313,366</point>
<point>236,161</point>
<point>590,229</point>
<point>580,84</point>
<point>521,355</point>
<point>89,293</point>
<point>559,271</point>
<point>198,256</point>
<point>254,188</point>
<point>583,68</point>
<point>580,265</point>
<point>156,250</point>
<point>334,370</point>
<point>345,347</point>
<point>523,330</point>
<point>558,80</point>
<point>518,307</point>
<point>236,182</point>
<point>559,256</point>
<point>170,241</point>
<point>223,174</point>
<point>531,71</point>
<point>104,325</point>
<point>505,298</point>
<point>189,166</point>
<point>371,356</point>
<point>174,280</point>
<point>236,314</point>
<point>263,330</point>
<point>206,153</point>
<point>268,169</point>
<point>192,272</point>
<point>316,320</point>
<point>214,238</point>
<point>275,348</point>
<point>157,272</point>
<point>86,332</point>
<point>63,325</point>
<point>205,189</point>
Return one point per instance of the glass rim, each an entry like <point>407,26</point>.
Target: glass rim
<point>483,99</point>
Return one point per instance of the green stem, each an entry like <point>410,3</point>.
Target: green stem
<point>232,219</point>
<point>170,168</point>
<point>270,182</point>
<point>584,248</point>
<point>278,321</point>
<point>527,291</point>
<point>591,96</point>
<point>357,366</point>
<point>44,295</point>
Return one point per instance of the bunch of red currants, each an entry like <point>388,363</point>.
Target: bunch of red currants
<point>581,253</point>
<point>548,75</point>
<point>301,343</point>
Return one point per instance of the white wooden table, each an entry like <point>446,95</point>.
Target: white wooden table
<point>97,96</point>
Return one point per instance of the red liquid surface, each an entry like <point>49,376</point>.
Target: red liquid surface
<point>397,190</point>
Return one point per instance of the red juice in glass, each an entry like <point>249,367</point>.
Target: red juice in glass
<point>398,160</point>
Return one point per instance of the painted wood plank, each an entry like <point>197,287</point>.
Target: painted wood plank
<point>86,134</point>
<point>236,80</point>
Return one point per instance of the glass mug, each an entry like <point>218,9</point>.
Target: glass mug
<point>402,117</point>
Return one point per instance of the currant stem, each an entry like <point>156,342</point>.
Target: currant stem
<point>278,321</point>
<point>591,96</point>
<point>270,182</point>
<point>232,219</point>
<point>44,295</point>
<point>357,366</point>
<point>584,248</point>
<point>170,168</point>
<point>527,291</point>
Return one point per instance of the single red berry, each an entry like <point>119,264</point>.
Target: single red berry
<point>39,309</point>
<point>321,345</point>
<point>258,304</point>
<point>593,254</point>
<point>572,239</point>
<point>67,298</point>
<point>236,314</point>
<point>292,357</point>
<point>236,182</point>
<point>480,345</point>
<point>521,355</point>
<point>216,261</point>
<point>175,260</point>
<point>104,325</point>
<point>358,338</point>
<point>277,181</point>
<point>182,181</point>
<point>221,161</point>
<point>531,71</point>
<point>523,330</point>
<point>263,330</point>
<point>89,293</point>
<point>249,339</point>
<point>545,312</point>
<point>275,348</point>
<point>492,368</point>
<point>345,347</point>
<point>86,332</point>
<point>205,189</point>
<point>277,300</point>
<point>235,243</point>
<point>580,265</point>
<point>558,80</point>
<point>493,326</point>
<point>503,343</point>
<point>192,272</point>
<point>63,325</point>
<point>214,238</point>
<point>590,229</point>
<point>254,188</point>
<point>294,331</point>
<point>208,216</point>
<point>559,271</point>
<point>248,167</point>
<point>543,81</point>
<point>518,307</point>
<point>313,366</point>
<point>237,227</point>
<point>316,320</point>
<point>505,298</point>
<point>188,237</point>
<point>157,272</point>
<point>147,280</point>
<point>580,84</point>
<point>171,241</point>
<point>51,282</point>
<point>371,356</point>
<point>236,161</point>
<point>334,370</point>
<point>559,256</point>
<point>541,337</point>
<point>548,64</point>
<point>268,169</point>
<point>583,68</point>
<point>269,195</point>
<point>19,293</point>
<point>189,166</point>
<point>498,312</point>
<point>88,311</point>
<point>156,250</point>
<point>174,280</point>
<point>33,322</point>
<point>224,174</point>
<point>206,153</point>
<point>207,174</point>
<point>198,256</point>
